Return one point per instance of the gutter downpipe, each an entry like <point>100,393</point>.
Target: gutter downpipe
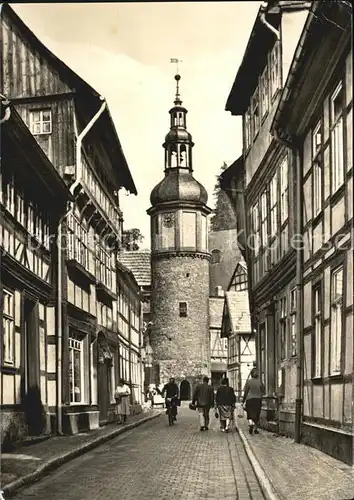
<point>299,402</point>
<point>299,281</point>
<point>263,20</point>
<point>78,176</point>
<point>7,110</point>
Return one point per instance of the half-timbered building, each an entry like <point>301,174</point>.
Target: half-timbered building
<point>236,329</point>
<point>314,119</point>
<point>73,125</point>
<point>267,181</point>
<point>130,328</point>
<point>33,199</point>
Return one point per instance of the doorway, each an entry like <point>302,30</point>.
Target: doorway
<point>104,387</point>
<point>185,390</point>
<point>31,394</point>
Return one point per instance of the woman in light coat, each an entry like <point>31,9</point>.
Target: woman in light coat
<point>122,397</point>
<point>252,400</point>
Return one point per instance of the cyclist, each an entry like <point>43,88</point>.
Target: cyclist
<point>171,394</point>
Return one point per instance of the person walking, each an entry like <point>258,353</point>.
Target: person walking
<point>225,403</point>
<point>203,399</point>
<point>122,397</point>
<point>252,400</point>
<point>171,393</point>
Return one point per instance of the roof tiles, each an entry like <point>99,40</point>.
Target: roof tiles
<point>139,262</point>
<point>239,311</point>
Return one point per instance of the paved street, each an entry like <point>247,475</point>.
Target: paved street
<point>157,462</point>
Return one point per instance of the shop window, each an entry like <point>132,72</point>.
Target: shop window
<point>293,331</point>
<point>76,370</point>
<point>283,327</point>
<point>8,323</point>
<point>317,331</point>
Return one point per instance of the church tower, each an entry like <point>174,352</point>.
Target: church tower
<point>180,263</point>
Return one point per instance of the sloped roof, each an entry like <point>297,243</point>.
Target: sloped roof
<point>216,306</point>
<point>139,262</point>
<point>238,311</point>
<point>37,165</point>
<point>109,133</point>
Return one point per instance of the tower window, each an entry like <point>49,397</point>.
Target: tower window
<point>183,309</point>
<point>215,256</point>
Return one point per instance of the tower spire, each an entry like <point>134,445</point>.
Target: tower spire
<point>177,101</point>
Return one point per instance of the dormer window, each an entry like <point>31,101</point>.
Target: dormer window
<point>41,122</point>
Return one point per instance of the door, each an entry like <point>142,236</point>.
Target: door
<point>103,391</point>
<point>32,403</point>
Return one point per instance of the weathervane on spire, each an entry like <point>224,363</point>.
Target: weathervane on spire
<point>175,61</point>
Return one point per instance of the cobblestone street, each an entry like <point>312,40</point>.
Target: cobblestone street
<point>157,462</point>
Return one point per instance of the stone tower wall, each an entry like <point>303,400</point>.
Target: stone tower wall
<point>178,279</point>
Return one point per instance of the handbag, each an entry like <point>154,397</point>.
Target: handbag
<point>240,412</point>
<point>192,406</point>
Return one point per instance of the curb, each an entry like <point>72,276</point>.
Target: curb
<point>12,488</point>
<point>266,485</point>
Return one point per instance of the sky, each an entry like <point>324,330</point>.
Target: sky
<point>123,50</point>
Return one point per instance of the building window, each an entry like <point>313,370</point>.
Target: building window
<point>248,131</point>
<point>293,333</point>
<point>264,91</point>
<point>317,168</point>
<point>264,213</point>
<point>263,356</point>
<point>240,282</point>
<point>255,113</point>
<point>9,195</point>
<point>284,191</point>
<point>283,327</point>
<point>256,241</point>
<point>76,370</point>
<point>336,319</point>
<point>274,69</point>
<point>273,205</point>
<point>8,324</point>
<point>215,256</point>
<point>317,330</point>
<point>41,122</point>
<point>103,266</point>
<point>183,309</point>
<point>255,227</point>
<point>78,241</point>
<point>337,146</point>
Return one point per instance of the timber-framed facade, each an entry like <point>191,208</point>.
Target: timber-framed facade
<point>73,125</point>
<point>33,199</point>
<point>265,174</point>
<point>317,125</point>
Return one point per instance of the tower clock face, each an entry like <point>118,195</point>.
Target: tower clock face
<point>168,220</point>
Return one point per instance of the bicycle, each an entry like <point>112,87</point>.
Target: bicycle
<point>170,407</point>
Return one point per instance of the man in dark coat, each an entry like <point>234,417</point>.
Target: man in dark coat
<point>203,399</point>
<point>171,391</point>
